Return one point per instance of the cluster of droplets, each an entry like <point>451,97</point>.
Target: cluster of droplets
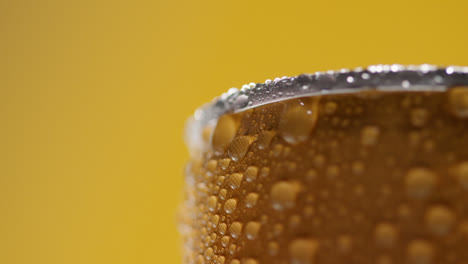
<point>254,184</point>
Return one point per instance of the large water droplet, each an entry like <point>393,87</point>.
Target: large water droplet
<point>251,173</point>
<point>420,252</point>
<point>249,261</point>
<point>439,219</point>
<point>303,251</point>
<point>251,230</point>
<point>251,200</point>
<point>223,133</point>
<point>224,163</point>
<point>225,241</point>
<point>283,194</point>
<point>460,172</point>
<point>419,117</point>
<point>212,201</point>
<point>370,135</point>
<point>458,101</point>
<point>230,206</point>
<point>273,248</point>
<point>419,182</point>
<point>235,180</point>
<point>223,194</point>
<point>296,122</point>
<point>344,243</point>
<point>209,253</point>
<point>222,228</point>
<point>384,259</point>
<point>239,147</point>
<point>264,139</point>
<point>264,172</point>
<point>215,220</point>
<point>200,260</point>
<point>235,229</point>
<point>232,251</point>
<point>241,101</point>
<point>330,108</point>
<point>211,167</point>
<point>385,235</point>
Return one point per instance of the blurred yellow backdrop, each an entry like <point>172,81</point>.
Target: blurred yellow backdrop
<point>94,94</point>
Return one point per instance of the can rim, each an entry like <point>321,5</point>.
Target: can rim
<point>381,77</point>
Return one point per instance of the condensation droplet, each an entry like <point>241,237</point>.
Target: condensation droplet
<point>206,133</point>
<point>220,180</point>
<point>344,243</point>
<point>200,260</point>
<point>223,133</point>
<point>296,123</point>
<point>209,253</point>
<point>221,260</point>
<point>276,150</point>
<point>211,167</point>
<point>319,161</point>
<point>370,135</point>
<point>215,220</point>
<point>311,175</point>
<point>463,228</point>
<point>241,101</point>
<point>303,251</point>
<point>357,168</point>
<point>384,259</point>
<point>223,194</point>
<point>419,182</point>
<point>225,241</point>
<point>332,172</point>
<point>295,221</point>
<point>439,219</point>
<point>308,211</point>
<point>264,139</point>
<point>251,173</point>
<point>212,201</point>
<point>224,163</point>
<point>264,172</point>
<point>283,194</point>
<point>235,180</point>
<point>420,252</point>
<point>251,230</point>
<point>249,261</point>
<point>278,229</point>
<point>386,235</point>
<point>222,228</point>
<point>405,84</point>
<point>458,101</point>
<point>239,147</point>
<point>419,117</point>
<point>460,171</point>
<point>330,108</point>
<point>273,248</point>
<point>230,205</point>
<point>251,200</point>
<point>235,229</point>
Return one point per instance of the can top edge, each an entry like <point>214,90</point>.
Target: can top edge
<point>380,77</point>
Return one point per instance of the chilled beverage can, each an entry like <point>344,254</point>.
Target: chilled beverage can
<point>361,166</point>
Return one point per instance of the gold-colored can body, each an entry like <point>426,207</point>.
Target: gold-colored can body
<point>365,177</point>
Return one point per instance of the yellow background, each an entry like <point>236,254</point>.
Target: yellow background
<point>93,98</point>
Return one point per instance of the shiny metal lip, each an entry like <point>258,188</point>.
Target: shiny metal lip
<point>381,77</point>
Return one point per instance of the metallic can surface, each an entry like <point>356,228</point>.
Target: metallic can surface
<point>372,175</point>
